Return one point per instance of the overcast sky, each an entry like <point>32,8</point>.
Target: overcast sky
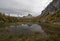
<point>23,7</point>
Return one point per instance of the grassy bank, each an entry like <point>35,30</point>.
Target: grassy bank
<point>52,30</point>
<point>4,24</point>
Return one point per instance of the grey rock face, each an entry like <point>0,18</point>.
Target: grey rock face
<point>51,8</point>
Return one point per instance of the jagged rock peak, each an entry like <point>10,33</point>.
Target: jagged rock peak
<point>51,8</point>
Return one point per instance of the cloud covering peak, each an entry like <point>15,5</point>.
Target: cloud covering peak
<point>23,7</point>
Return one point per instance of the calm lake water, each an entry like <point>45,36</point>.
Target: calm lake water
<point>27,29</point>
<point>23,32</point>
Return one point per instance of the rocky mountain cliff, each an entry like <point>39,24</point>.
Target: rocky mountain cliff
<point>51,8</point>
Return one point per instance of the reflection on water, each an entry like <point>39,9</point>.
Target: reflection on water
<point>23,32</point>
<point>27,29</point>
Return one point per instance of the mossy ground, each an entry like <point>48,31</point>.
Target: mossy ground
<point>52,30</point>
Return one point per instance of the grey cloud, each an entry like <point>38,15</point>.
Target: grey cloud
<point>14,11</point>
<point>22,7</point>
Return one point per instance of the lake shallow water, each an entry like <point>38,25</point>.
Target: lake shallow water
<point>24,32</point>
<point>27,29</point>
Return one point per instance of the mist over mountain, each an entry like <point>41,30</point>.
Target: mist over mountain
<point>14,11</point>
<point>23,7</point>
